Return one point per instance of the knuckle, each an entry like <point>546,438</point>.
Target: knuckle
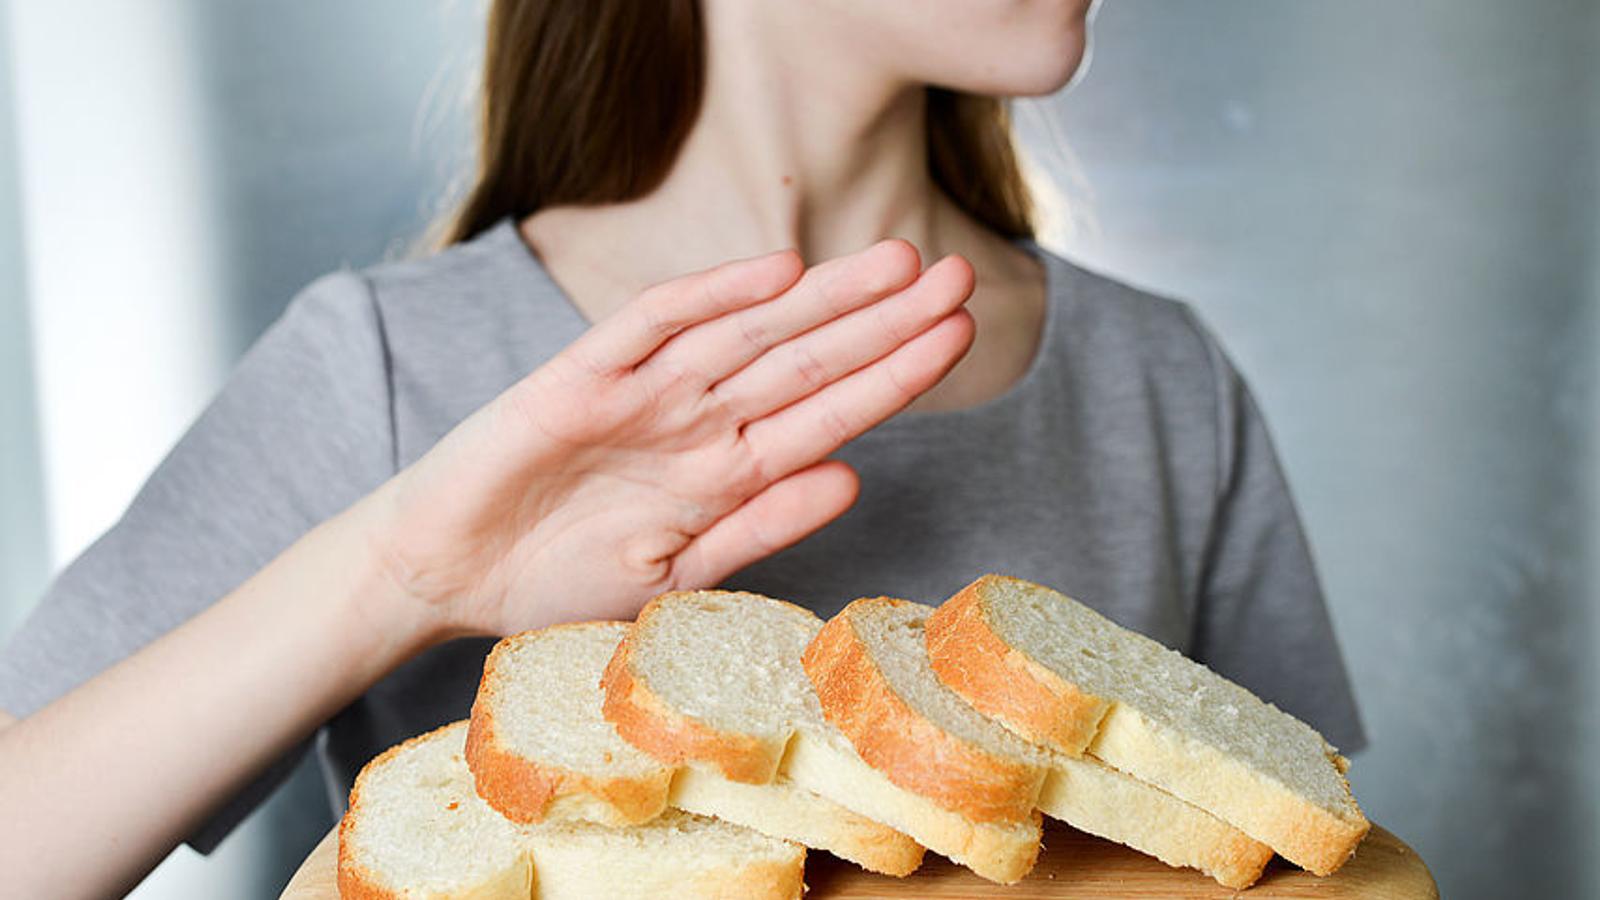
<point>892,327</point>
<point>757,468</point>
<point>654,310</point>
<point>902,389</point>
<point>697,517</point>
<point>841,295</point>
<point>813,374</point>
<point>708,286</point>
<point>834,424</point>
<point>743,481</point>
<point>754,333</point>
<point>673,376</point>
<point>756,536</point>
<point>656,294</point>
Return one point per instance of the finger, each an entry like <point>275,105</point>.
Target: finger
<point>622,340</point>
<point>804,432</point>
<point>719,347</point>
<point>782,514</point>
<point>822,356</point>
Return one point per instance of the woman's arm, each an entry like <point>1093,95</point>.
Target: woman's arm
<point>100,785</point>
<point>673,444</point>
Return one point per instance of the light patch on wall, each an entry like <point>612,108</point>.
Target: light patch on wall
<point>122,275</point>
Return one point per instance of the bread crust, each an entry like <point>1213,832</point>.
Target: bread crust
<point>524,790</point>
<point>909,749</point>
<point>1005,684</point>
<point>649,723</point>
<point>356,882</point>
<point>1236,863</point>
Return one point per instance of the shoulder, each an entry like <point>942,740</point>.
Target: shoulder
<point>1143,361</point>
<point>490,269</point>
<point>1114,315</point>
<point>357,299</point>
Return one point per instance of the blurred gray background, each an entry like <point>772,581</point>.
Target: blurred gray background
<point>1390,212</point>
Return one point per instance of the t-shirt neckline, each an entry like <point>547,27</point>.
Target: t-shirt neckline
<point>506,230</point>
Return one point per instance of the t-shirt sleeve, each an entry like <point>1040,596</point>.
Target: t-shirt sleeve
<point>301,429</point>
<point>1261,618</point>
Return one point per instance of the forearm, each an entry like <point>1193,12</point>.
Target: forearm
<point>97,787</point>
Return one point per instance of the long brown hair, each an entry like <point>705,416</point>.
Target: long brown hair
<point>588,102</point>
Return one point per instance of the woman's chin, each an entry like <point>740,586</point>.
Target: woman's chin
<point>1052,79</point>
<point>1044,74</point>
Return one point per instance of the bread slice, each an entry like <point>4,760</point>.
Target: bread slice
<point>676,855</point>
<point>710,680</point>
<point>1093,797</point>
<point>540,750</point>
<point>416,828</point>
<point>784,809</point>
<point>714,679</point>
<point>880,675</point>
<point>999,851</point>
<point>1061,674</point>
<point>538,746</point>
<point>872,679</point>
<point>707,677</point>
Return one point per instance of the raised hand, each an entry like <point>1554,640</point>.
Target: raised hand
<point>675,442</point>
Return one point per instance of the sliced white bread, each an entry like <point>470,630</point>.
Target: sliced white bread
<point>879,687</point>
<point>714,679</point>
<point>784,809</point>
<point>708,680</point>
<point>979,782</point>
<point>538,745</point>
<point>416,828</point>
<point>679,855</point>
<point>1061,674</point>
<point>1093,797</point>
<point>999,851</point>
<point>541,751</point>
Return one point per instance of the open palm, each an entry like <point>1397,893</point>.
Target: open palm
<point>677,441</point>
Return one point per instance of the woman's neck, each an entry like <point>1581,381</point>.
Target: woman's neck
<point>794,146</point>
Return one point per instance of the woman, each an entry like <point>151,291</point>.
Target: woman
<point>446,449</point>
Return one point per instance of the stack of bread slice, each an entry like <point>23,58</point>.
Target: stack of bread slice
<point>417,828</point>
<point>872,671</point>
<point>715,679</point>
<point>540,748</point>
<point>1060,674</point>
<point>699,750</point>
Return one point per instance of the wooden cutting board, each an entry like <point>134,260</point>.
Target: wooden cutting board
<point>1072,865</point>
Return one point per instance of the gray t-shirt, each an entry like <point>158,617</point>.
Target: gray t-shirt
<point>1128,468</point>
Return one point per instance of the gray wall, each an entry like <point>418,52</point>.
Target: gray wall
<point>1388,210</point>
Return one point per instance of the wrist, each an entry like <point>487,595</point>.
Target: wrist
<point>378,609</point>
